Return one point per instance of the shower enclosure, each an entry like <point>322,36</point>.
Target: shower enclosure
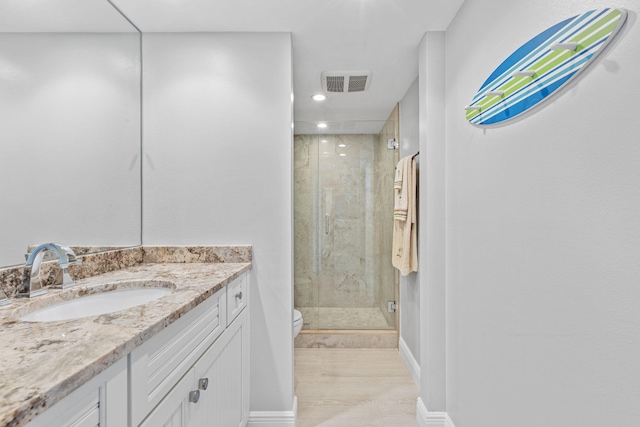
<point>343,220</point>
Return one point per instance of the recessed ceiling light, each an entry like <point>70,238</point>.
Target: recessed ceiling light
<point>322,125</point>
<point>342,154</point>
<point>342,145</point>
<point>324,141</point>
<point>319,97</point>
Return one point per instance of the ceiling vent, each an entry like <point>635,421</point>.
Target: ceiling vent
<point>345,81</point>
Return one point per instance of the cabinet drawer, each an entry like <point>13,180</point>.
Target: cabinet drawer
<point>237,296</point>
<point>85,412</point>
<point>102,401</point>
<point>160,362</point>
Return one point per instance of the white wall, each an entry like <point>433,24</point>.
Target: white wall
<point>432,254</point>
<point>70,140</point>
<point>410,285</point>
<point>543,234</point>
<point>218,170</point>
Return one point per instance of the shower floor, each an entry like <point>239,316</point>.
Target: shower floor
<point>343,318</point>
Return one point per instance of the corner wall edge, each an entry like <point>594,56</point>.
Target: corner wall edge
<point>274,418</point>
<point>431,419</point>
<point>410,362</point>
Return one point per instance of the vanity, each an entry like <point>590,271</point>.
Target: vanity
<point>179,360</point>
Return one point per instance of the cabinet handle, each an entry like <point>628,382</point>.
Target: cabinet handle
<point>203,383</point>
<point>194,396</point>
<point>239,295</point>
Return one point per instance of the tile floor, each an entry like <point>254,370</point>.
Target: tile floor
<point>353,388</point>
<point>343,318</point>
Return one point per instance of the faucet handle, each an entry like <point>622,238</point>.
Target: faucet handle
<point>65,254</point>
<point>4,301</point>
<point>75,261</point>
<point>67,281</point>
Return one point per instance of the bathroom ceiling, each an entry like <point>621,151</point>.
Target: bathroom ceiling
<point>54,16</point>
<point>380,36</point>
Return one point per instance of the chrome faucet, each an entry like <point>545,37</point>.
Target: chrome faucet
<point>32,280</point>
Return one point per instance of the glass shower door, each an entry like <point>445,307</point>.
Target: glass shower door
<point>306,213</point>
<point>343,224</point>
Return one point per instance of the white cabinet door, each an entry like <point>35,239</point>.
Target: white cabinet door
<point>175,409</point>
<point>221,380</point>
<point>225,366</point>
<point>220,377</point>
<point>159,363</point>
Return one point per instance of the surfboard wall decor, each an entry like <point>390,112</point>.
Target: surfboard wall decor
<point>543,65</point>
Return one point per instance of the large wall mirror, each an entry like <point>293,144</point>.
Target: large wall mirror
<point>69,126</point>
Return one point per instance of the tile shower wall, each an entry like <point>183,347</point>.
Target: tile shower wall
<point>340,230</point>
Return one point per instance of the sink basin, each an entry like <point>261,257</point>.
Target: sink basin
<point>101,300</point>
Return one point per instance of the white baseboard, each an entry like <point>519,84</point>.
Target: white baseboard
<point>431,419</point>
<point>412,364</point>
<point>274,418</point>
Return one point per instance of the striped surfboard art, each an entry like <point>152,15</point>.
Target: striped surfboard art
<point>543,65</point>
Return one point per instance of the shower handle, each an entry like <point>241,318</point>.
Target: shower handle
<point>326,224</point>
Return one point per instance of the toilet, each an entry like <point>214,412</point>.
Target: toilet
<point>297,322</point>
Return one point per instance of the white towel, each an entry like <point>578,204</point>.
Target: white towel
<point>400,185</point>
<point>397,182</point>
<point>405,236</point>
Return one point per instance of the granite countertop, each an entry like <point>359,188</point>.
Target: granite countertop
<point>44,362</point>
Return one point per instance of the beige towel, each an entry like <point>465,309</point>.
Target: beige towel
<point>405,239</point>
